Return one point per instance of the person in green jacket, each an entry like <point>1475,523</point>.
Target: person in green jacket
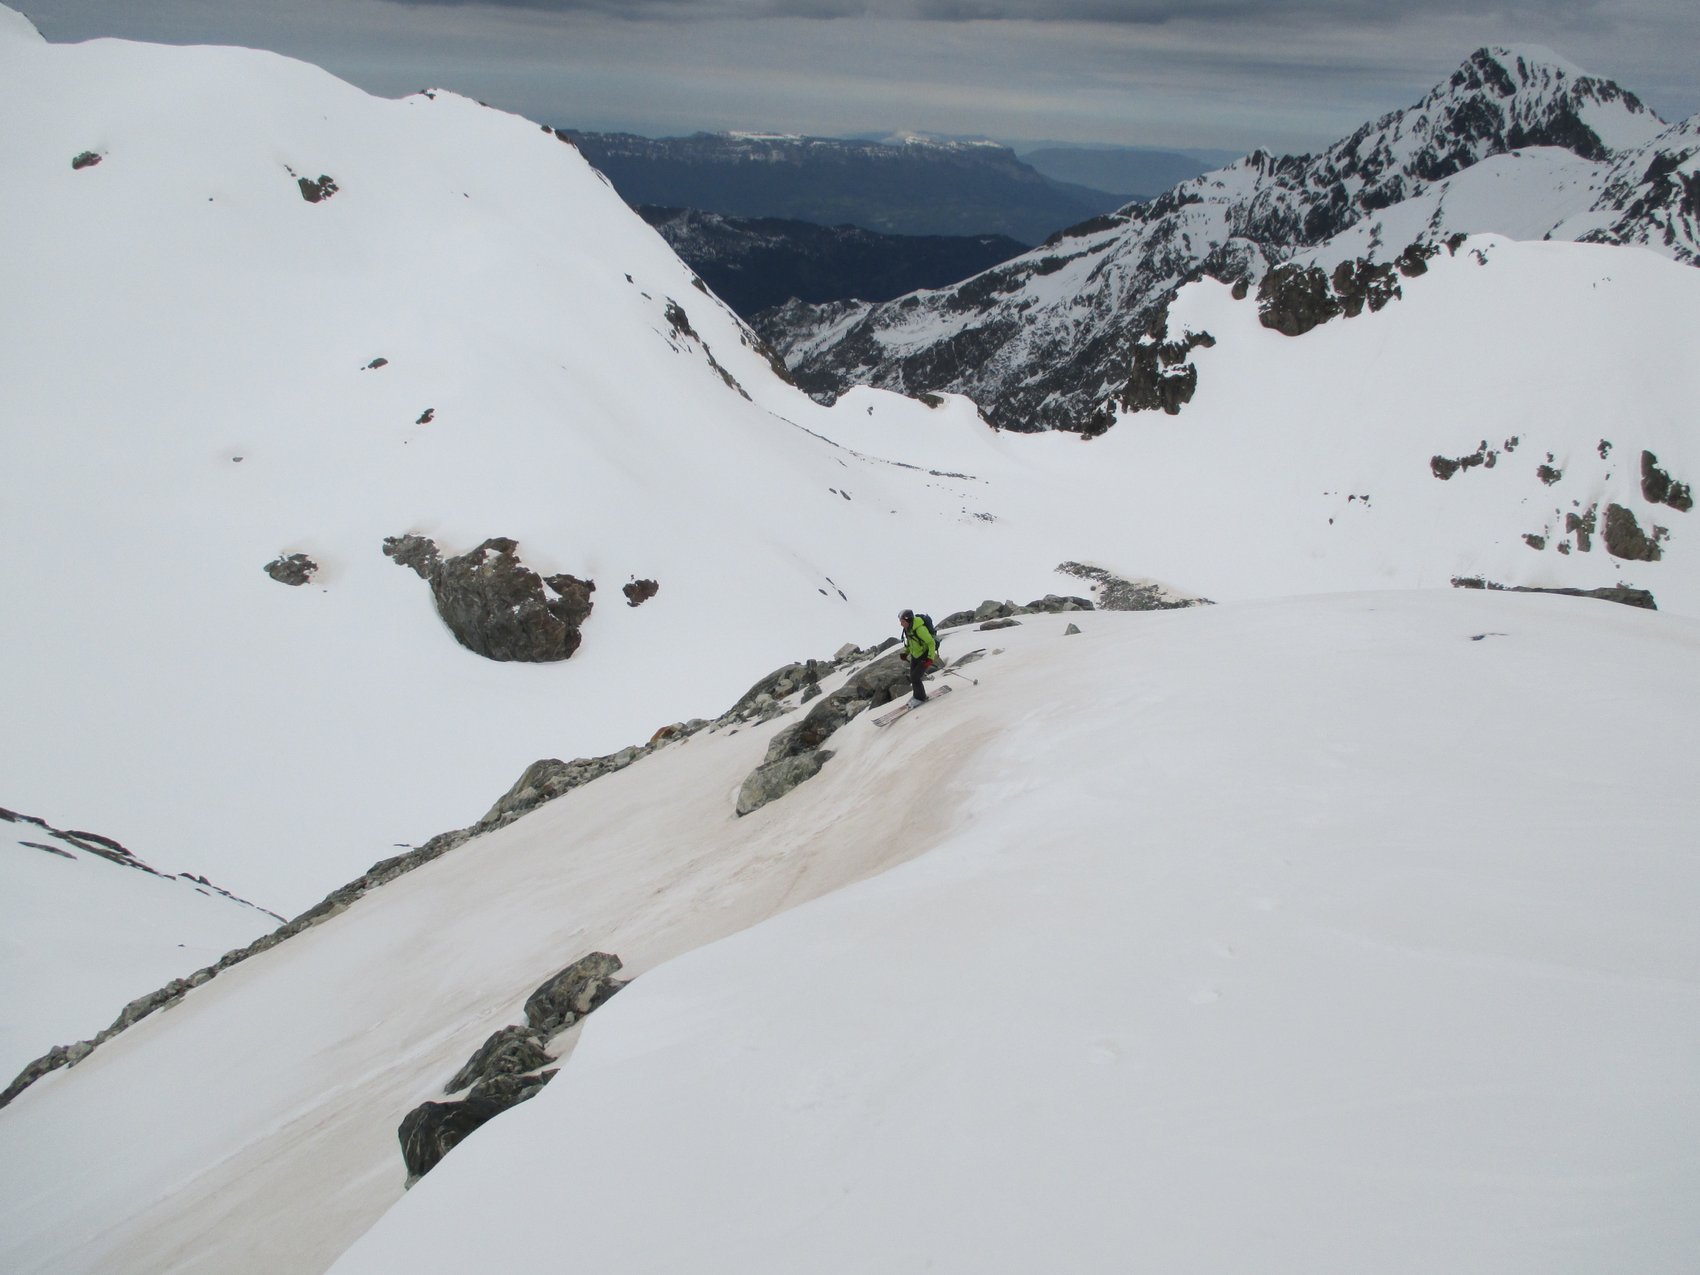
<point>920,651</point>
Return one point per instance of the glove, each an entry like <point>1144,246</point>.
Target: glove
<point>904,656</point>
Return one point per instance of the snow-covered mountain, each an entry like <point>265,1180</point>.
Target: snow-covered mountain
<point>1516,142</point>
<point>1372,908</point>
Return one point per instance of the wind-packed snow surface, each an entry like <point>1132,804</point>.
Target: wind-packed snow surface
<point>1320,935</point>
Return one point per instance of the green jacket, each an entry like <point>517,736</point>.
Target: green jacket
<point>921,643</point>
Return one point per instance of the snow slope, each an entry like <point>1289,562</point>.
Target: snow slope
<point>185,343</point>
<point>1321,934</point>
<point>88,931</point>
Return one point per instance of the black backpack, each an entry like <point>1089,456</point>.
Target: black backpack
<point>932,628</point>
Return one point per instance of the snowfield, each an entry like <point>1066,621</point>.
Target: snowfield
<point>1318,934</point>
<point>1345,926</point>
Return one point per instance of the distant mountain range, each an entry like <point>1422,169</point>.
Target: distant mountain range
<point>1137,172</point>
<point>754,264</point>
<point>1516,142</point>
<point>917,186</point>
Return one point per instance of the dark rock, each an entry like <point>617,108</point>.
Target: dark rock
<point>316,191</point>
<point>574,992</point>
<point>1444,467</point>
<point>1619,593</point>
<point>1116,594</point>
<point>427,416</point>
<point>1293,299</point>
<point>418,553</point>
<point>772,780</point>
<point>88,159</point>
<point>1582,526</point>
<point>1625,539</point>
<point>507,1052</point>
<point>1548,475</point>
<point>510,1090</point>
<point>1660,488</point>
<point>496,606</point>
<point>640,591</point>
<point>375,364</point>
<point>295,569</point>
<point>1071,630</point>
<point>989,625</point>
<point>433,1129</point>
<point>1162,378</point>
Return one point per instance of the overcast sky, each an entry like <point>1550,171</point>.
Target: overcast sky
<point>1289,75</point>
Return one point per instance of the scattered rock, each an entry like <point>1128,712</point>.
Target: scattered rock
<point>1113,593</point>
<point>1660,488</point>
<point>1443,467</point>
<point>427,416</point>
<point>1071,630</point>
<point>295,569</point>
<point>316,191</point>
<point>88,159</point>
<point>999,624</point>
<point>415,552</point>
<point>1625,539</point>
<point>639,591</point>
<point>1582,527</point>
<point>1548,475</point>
<point>375,364</point>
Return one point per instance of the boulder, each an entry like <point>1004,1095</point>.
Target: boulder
<point>495,605</point>
<point>571,994</point>
<point>294,569</point>
<point>506,1053</point>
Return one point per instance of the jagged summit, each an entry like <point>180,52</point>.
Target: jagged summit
<point>1043,341</point>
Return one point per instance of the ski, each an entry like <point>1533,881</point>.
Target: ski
<point>910,706</point>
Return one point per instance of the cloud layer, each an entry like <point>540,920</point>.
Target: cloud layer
<point>1291,75</point>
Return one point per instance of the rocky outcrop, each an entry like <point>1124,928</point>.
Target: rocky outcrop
<point>568,996</point>
<point>1625,539</point>
<point>433,1129</point>
<point>508,1052</point>
<point>504,1071</point>
<point>1162,377</point>
<point>293,569</point>
<point>1112,593</point>
<point>1624,594</point>
<point>495,605</point>
<point>639,591</point>
<point>1659,488</point>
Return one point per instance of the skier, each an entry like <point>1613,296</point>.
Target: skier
<point>920,651</point>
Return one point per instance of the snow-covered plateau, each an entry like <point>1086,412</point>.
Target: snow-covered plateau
<point>1344,925</point>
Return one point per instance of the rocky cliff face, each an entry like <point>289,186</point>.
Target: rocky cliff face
<point>1046,341</point>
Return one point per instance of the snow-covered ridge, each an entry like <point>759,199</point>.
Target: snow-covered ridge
<point>1041,342</point>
